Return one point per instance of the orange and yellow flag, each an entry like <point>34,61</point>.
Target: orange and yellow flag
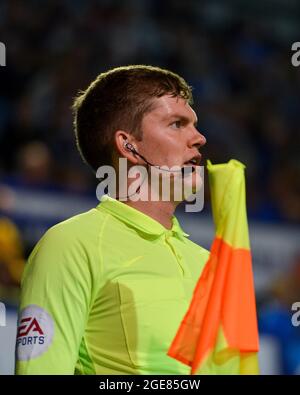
<point>219,334</point>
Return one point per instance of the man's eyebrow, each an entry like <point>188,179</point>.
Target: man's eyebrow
<point>183,118</point>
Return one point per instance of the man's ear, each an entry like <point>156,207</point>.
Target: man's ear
<point>121,138</point>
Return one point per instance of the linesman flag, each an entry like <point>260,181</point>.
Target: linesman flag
<point>219,334</point>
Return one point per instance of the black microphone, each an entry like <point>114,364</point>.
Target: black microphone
<point>185,170</point>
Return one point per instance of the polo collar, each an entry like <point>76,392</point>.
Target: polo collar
<point>139,220</point>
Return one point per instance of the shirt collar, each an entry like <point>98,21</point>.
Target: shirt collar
<point>138,219</point>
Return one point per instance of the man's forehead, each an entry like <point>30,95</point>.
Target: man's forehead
<point>167,106</point>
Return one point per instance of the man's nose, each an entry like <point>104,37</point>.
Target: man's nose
<point>197,140</point>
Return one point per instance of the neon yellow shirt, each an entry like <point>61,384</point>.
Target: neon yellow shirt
<point>104,293</point>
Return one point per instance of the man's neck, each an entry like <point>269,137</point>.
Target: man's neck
<point>160,211</point>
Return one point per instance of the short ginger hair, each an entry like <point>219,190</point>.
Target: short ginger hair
<point>118,100</point>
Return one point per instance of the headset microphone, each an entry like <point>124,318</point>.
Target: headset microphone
<point>185,170</point>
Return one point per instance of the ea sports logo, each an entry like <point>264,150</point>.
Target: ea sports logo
<point>30,332</point>
<point>35,332</point>
<point>29,324</point>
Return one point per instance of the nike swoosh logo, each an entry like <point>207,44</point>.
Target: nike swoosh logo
<point>132,261</point>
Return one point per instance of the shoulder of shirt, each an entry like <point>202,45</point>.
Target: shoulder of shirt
<point>80,230</point>
<point>73,242</point>
<point>71,246</point>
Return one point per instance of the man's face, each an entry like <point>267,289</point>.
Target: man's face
<point>170,137</point>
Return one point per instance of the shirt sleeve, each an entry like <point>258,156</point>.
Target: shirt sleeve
<point>56,294</point>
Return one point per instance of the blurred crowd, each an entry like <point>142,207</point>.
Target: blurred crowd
<point>246,91</point>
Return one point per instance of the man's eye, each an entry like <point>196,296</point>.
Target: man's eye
<point>176,124</point>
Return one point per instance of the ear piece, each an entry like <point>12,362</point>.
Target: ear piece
<point>129,146</point>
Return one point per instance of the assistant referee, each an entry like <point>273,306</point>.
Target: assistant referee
<point>104,292</point>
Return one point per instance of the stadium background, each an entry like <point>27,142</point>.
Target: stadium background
<point>236,55</point>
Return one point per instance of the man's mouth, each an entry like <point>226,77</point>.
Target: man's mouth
<point>194,161</point>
